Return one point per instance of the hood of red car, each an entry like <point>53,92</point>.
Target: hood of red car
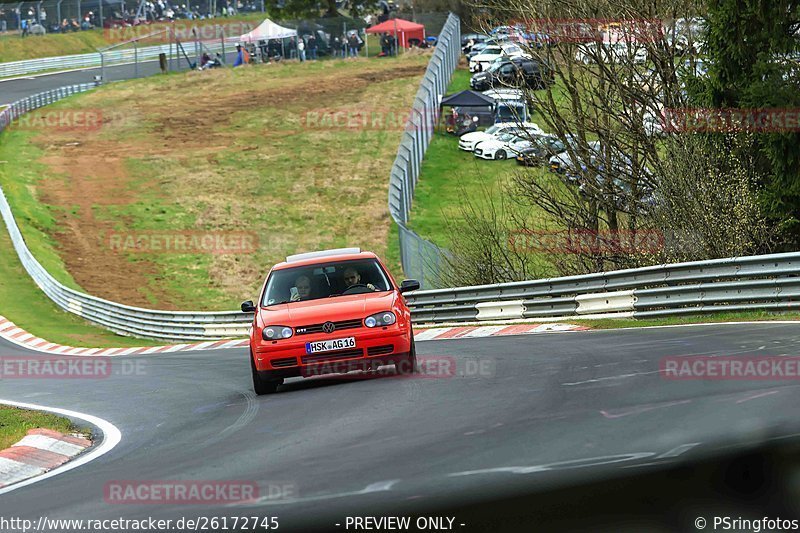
<point>338,308</point>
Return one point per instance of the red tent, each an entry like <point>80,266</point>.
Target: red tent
<point>404,29</point>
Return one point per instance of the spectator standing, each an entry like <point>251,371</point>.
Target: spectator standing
<point>312,47</point>
<point>353,45</point>
<point>3,22</point>
<point>240,59</point>
<point>301,49</point>
<point>43,17</point>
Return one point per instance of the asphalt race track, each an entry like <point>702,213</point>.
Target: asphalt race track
<point>15,89</point>
<point>585,404</point>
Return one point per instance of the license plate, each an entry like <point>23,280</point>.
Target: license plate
<point>330,345</point>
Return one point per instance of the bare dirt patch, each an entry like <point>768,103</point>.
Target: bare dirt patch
<point>202,164</point>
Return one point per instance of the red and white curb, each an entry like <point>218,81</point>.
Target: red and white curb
<point>468,332</point>
<point>111,436</point>
<point>10,332</point>
<point>40,451</point>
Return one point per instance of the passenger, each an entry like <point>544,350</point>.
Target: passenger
<point>352,277</point>
<point>303,285</point>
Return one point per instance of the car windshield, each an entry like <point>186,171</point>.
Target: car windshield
<point>510,112</point>
<point>494,129</point>
<point>505,137</point>
<point>496,64</point>
<point>325,280</point>
<point>492,50</point>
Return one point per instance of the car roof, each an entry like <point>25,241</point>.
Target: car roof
<point>321,260</point>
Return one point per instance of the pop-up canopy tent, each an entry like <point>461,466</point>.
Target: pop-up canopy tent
<point>265,31</point>
<point>404,29</point>
<point>480,104</point>
<point>468,99</point>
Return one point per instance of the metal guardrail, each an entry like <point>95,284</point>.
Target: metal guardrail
<point>733,284</point>
<point>112,57</point>
<point>421,259</point>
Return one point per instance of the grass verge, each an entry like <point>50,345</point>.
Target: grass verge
<point>15,423</point>
<point>264,157</point>
<point>750,316</point>
<point>22,302</point>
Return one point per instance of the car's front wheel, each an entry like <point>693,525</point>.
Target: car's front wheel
<point>408,365</point>
<point>260,385</point>
<point>500,155</point>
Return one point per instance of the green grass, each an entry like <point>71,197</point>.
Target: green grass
<point>20,174</point>
<point>750,316</point>
<point>449,175</point>
<point>22,302</point>
<point>248,163</point>
<point>15,423</point>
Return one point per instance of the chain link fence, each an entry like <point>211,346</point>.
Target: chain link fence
<point>421,259</point>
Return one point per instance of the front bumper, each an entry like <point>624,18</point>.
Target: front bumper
<point>483,154</point>
<point>289,358</point>
<point>467,146</point>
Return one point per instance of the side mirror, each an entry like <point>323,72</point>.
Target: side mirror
<point>248,307</point>
<point>409,285</point>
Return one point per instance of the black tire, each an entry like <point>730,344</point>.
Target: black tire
<point>500,155</point>
<point>263,386</point>
<point>408,365</point>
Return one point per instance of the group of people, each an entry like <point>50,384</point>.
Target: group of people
<point>34,19</point>
<point>388,44</point>
<point>306,47</point>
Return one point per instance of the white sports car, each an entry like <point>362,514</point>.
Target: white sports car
<point>482,61</point>
<point>501,147</point>
<point>468,141</point>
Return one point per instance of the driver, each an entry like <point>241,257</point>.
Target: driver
<point>303,284</point>
<point>352,277</point>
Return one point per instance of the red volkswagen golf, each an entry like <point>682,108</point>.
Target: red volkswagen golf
<point>329,312</point>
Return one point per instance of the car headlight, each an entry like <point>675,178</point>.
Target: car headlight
<point>276,333</point>
<point>386,318</point>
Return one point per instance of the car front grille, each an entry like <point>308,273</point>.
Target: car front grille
<point>333,356</point>
<point>317,328</point>
<point>380,350</point>
<point>284,362</point>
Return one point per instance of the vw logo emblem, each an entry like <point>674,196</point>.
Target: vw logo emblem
<point>328,327</point>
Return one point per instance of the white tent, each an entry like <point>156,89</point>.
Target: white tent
<point>266,30</point>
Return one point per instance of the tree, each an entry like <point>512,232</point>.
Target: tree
<point>752,50</point>
<point>628,178</point>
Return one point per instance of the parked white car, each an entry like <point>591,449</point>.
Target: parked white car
<point>612,53</point>
<point>468,141</point>
<point>501,147</point>
<point>482,61</point>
